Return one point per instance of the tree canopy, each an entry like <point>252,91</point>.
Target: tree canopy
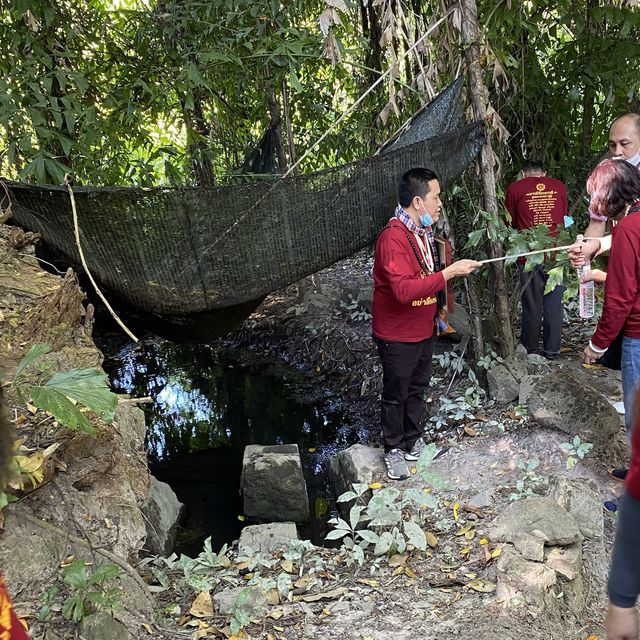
<point>136,92</point>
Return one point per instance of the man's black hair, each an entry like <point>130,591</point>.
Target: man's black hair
<point>532,165</point>
<point>414,182</point>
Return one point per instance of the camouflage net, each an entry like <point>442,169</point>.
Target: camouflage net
<point>183,251</point>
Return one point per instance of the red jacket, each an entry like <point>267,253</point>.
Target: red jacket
<point>621,308</point>
<point>10,627</point>
<point>404,299</point>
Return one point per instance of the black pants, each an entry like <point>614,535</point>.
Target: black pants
<point>540,311</point>
<point>406,371</point>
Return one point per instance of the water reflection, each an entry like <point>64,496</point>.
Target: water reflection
<point>207,406</point>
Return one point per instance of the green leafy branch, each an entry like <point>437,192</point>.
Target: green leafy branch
<point>64,391</point>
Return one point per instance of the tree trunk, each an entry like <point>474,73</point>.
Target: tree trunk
<point>480,99</point>
<point>293,158</point>
<point>276,123</point>
<point>198,149</point>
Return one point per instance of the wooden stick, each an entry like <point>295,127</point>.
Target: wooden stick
<point>528,253</point>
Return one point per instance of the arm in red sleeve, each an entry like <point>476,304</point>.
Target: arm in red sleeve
<point>620,289</point>
<point>399,266</point>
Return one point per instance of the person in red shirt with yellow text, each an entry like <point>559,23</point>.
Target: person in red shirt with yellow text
<point>614,188</point>
<point>533,200</point>
<point>407,277</point>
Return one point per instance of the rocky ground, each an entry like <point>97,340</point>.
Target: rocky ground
<point>474,578</point>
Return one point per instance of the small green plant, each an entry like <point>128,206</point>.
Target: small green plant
<point>490,359</point>
<point>452,411</point>
<point>64,391</point>
<point>88,591</point>
<point>530,483</point>
<point>575,450</point>
<point>450,361</point>
<point>391,519</point>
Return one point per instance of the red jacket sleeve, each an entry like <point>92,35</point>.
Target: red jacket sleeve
<point>399,266</point>
<point>620,290</point>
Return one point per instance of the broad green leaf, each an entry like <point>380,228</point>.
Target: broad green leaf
<point>36,351</point>
<point>415,535</point>
<point>369,536</point>
<point>88,387</point>
<point>75,574</point>
<point>62,409</point>
<point>336,534</point>
<point>105,572</point>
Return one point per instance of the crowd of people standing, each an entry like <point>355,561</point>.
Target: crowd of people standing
<point>408,278</point>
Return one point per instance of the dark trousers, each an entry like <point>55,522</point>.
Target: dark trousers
<point>406,371</point>
<point>540,311</point>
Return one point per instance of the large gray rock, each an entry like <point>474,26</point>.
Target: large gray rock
<point>567,561</point>
<point>267,538</point>
<point>162,512</point>
<point>357,464</point>
<point>502,385</point>
<point>102,626</point>
<point>537,364</point>
<point>527,385</point>
<point>531,524</point>
<point>521,581</point>
<point>565,401</point>
<point>517,367</point>
<point>581,498</point>
<point>273,485</point>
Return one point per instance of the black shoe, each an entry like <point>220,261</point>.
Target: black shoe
<point>618,474</point>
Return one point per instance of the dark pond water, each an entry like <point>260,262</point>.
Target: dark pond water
<point>207,406</point>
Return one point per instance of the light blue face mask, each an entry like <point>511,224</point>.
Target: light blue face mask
<point>426,219</point>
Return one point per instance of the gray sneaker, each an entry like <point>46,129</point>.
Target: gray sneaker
<point>416,450</point>
<point>397,468</point>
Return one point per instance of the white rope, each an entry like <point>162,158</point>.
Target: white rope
<point>86,268</point>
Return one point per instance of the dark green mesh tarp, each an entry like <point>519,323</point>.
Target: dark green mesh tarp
<point>183,251</point>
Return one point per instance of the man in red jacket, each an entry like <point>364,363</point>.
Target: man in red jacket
<point>407,277</point>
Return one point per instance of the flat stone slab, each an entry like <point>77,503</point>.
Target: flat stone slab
<point>272,484</point>
<point>267,538</point>
<point>531,524</point>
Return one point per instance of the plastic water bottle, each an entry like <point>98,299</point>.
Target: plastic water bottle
<point>587,289</point>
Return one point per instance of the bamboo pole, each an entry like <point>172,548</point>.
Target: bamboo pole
<point>471,37</point>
